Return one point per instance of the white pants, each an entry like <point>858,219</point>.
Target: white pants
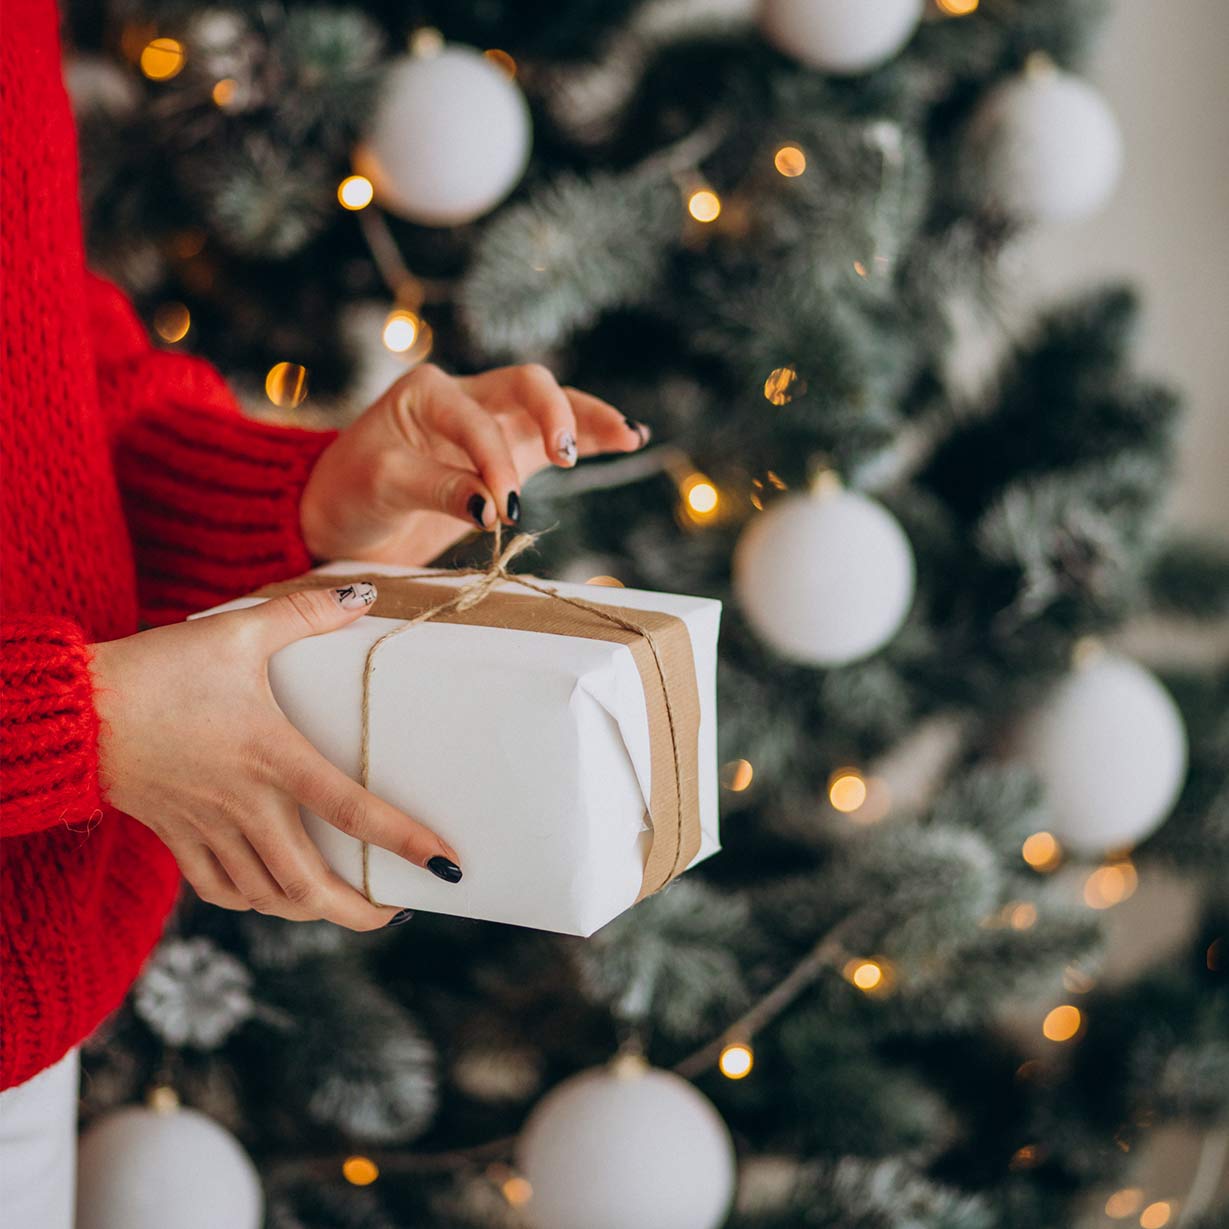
<point>38,1149</point>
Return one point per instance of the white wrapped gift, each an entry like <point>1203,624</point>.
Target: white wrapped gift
<point>535,753</point>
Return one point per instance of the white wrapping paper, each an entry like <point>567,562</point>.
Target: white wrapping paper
<point>527,752</point>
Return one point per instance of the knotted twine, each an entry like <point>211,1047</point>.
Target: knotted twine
<point>466,597</point>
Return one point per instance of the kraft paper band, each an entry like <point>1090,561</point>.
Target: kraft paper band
<point>660,646</point>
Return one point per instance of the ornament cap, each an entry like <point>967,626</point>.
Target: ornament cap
<point>162,1099</point>
<point>1039,64</point>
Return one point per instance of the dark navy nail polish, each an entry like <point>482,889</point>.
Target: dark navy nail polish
<point>445,868</point>
<point>398,918</point>
<point>477,509</point>
<point>639,428</point>
<point>514,507</point>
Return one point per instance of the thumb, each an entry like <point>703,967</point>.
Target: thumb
<point>310,612</point>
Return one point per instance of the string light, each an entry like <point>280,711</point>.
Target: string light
<point>1063,1023</point>
<point>355,192</point>
<point>700,498</point>
<point>223,92</point>
<point>1077,981</point>
<point>286,384</point>
<point>172,322</point>
<point>783,385</point>
<point>1023,915</point>
<point>606,582</point>
<point>704,205</point>
<point>859,268</point>
<point>1156,1215</point>
<point>360,1170</point>
<point>162,59</point>
<point>958,8</point>
<point>502,60</point>
<point>1124,1203</point>
<point>1042,852</point>
<point>790,161</point>
<point>871,976</point>
<point>517,1190</point>
<point>736,1060</point>
<point>1110,885</point>
<point>400,330</point>
<point>846,790</point>
<point>737,775</point>
<point>1028,1157</point>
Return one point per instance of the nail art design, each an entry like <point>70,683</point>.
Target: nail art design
<point>357,596</point>
<point>565,448</point>
<point>514,507</point>
<point>398,918</point>
<point>640,429</point>
<point>477,509</point>
<point>445,868</point>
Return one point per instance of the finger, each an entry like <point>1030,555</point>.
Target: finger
<point>310,612</point>
<point>315,783</point>
<point>532,388</point>
<point>209,881</point>
<point>416,482</point>
<point>306,880</point>
<point>448,410</point>
<point>602,428</point>
<point>251,877</point>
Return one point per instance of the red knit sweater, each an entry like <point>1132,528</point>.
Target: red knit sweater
<point>132,491</point>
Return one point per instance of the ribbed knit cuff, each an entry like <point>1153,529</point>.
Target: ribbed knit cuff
<point>212,501</point>
<point>48,726</point>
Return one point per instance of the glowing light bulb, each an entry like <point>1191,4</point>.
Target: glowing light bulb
<point>958,8</point>
<point>790,161</point>
<point>1028,1157</point>
<point>783,385</point>
<point>1124,1203</point>
<point>162,59</point>
<point>846,790</point>
<point>1063,1023</point>
<point>736,1060</point>
<point>400,331</point>
<point>286,384</point>
<point>1042,852</point>
<point>517,1190</point>
<point>1023,915</point>
<point>223,92</point>
<point>1110,885</point>
<point>704,205</point>
<point>867,975</point>
<point>355,192</point>
<point>1156,1215</point>
<point>360,1170</point>
<point>737,775</point>
<point>700,498</point>
<point>172,322</point>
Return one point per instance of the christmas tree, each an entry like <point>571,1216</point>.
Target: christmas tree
<point>762,236</point>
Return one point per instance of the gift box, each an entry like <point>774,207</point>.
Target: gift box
<point>561,737</point>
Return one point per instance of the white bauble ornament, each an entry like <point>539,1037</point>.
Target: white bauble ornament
<point>1110,747</point>
<point>141,1168</point>
<point>626,1145</point>
<point>825,578</point>
<point>840,36</point>
<point>1049,146</point>
<point>450,138</point>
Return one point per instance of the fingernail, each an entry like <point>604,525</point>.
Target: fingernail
<point>445,868</point>
<point>640,429</point>
<point>398,918</point>
<point>357,596</point>
<point>477,509</point>
<point>565,448</point>
<point>514,507</point>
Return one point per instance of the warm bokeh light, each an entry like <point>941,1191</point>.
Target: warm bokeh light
<point>172,321</point>
<point>606,582</point>
<point>1022,915</point>
<point>867,975</point>
<point>360,1170</point>
<point>704,205</point>
<point>286,384</point>
<point>958,8</point>
<point>1063,1023</point>
<point>1028,1157</point>
<point>1077,981</point>
<point>162,59</point>
<point>223,92</point>
<point>502,60</point>
<point>517,1190</point>
<point>737,775</point>
<point>846,790</point>
<point>790,161</point>
<point>783,385</point>
<point>1124,1203</point>
<point>355,192</point>
<point>400,331</point>
<point>859,268</point>
<point>736,1060</point>
<point>1110,885</point>
<point>1042,852</point>
<point>1155,1215</point>
<point>701,497</point>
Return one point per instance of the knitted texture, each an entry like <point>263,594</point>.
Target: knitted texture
<point>132,489</point>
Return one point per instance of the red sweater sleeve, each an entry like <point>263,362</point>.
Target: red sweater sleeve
<point>211,497</point>
<point>48,725</point>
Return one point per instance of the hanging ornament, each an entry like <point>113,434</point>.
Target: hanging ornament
<point>840,36</point>
<point>1047,144</point>
<point>626,1144</point>
<point>825,578</point>
<point>164,1168</point>
<point>450,138</point>
<point>1110,747</point>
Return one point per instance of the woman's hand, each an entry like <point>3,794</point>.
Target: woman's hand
<point>195,747</point>
<point>436,455</point>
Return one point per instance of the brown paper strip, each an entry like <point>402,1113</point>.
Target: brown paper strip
<point>661,648</point>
